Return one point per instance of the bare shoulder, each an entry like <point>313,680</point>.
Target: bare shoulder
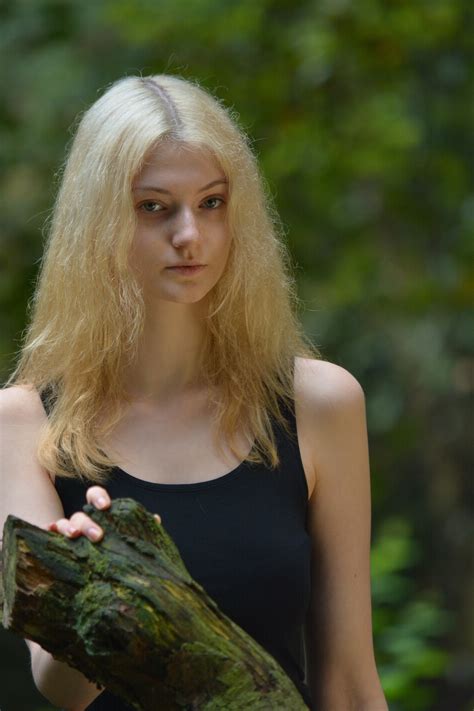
<point>22,417</point>
<point>329,408</point>
<point>21,405</point>
<point>325,386</point>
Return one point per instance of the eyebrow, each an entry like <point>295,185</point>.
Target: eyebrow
<point>154,188</point>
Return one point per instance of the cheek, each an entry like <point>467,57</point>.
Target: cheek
<point>224,247</point>
<point>136,261</point>
<point>144,251</point>
<point>226,254</point>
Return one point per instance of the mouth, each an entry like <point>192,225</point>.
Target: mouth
<point>189,270</point>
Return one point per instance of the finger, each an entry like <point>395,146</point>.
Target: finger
<point>98,497</point>
<point>63,527</point>
<point>77,526</point>
<point>83,524</point>
<point>48,526</point>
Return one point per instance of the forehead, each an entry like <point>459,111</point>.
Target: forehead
<point>179,162</point>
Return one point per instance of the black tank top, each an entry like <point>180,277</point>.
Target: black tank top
<point>243,537</point>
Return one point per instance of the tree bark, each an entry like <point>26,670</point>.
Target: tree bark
<point>128,615</point>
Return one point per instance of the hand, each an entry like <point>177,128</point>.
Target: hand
<point>80,523</point>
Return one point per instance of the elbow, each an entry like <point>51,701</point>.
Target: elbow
<point>378,704</point>
<point>375,703</point>
<point>46,673</point>
<point>57,700</point>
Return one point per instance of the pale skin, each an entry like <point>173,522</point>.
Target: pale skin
<point>188,224</point>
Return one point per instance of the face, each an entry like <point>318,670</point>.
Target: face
<point>180,199</point>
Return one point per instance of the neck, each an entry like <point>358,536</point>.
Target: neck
<point>169,354</point>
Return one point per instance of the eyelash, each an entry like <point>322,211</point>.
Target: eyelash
<point>153,202</point>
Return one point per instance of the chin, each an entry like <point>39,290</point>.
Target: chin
<point>189,298</point>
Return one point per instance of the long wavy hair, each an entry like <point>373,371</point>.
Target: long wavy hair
<point>87,311</point>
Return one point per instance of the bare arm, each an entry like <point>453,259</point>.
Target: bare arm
<point>27,491</point>
<point>342,672</point>
<point>59,683</point>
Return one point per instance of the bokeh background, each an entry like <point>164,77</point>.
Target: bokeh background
<point>360,113</point>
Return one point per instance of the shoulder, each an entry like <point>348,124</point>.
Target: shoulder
<point>21,405</point>
<point>324,388</point>
<point>330,412</point>
<point>22,417</point>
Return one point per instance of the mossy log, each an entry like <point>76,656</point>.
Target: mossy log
<point>128,615</point>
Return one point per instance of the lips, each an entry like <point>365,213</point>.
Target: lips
<point>187,269</point>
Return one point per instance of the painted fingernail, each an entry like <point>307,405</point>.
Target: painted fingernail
<point>101,502</point>
<point>93,533</point>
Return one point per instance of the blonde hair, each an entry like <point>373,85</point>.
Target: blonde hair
<point>87,311</point>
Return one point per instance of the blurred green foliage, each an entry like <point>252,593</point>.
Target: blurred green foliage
<point>360,113</point>
<point>407,624</point>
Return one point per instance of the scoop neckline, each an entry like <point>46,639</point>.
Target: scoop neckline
<point>185,486</point>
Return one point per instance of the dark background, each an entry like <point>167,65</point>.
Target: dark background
<point>360,114</point>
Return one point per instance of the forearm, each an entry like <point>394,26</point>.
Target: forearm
<point>377,703</point>
<point>63,686</point>
<point>347,702</point>
<point>334,691</point>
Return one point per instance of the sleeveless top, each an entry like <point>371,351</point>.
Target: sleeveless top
<point>243,537</point>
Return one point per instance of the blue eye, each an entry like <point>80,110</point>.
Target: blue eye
<point>154,206</point>
<point>213,200</point>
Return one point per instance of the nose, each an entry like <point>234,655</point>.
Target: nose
<point>185,229</point>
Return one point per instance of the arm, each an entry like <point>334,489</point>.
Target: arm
<point>59,683</point>
<point>342,672</point>
<point>27,491</point>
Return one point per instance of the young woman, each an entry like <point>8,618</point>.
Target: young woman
<point>164,362</point>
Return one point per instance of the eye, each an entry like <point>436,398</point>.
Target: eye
<point>213,202</point>
<point>150,206</point>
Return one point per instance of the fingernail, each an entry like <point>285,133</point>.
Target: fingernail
<point>101,502</point>
<point>93,533</point>
<point>158,518</point>
<point>71,530</point>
